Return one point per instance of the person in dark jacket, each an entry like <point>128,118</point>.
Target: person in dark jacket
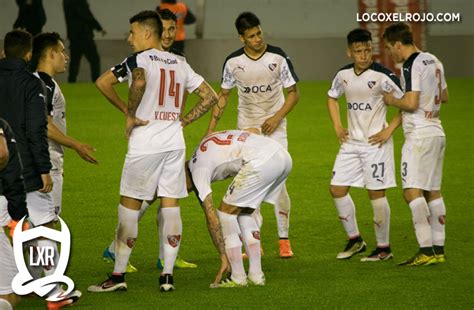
<point>80,24</point>
<point>31,16</point>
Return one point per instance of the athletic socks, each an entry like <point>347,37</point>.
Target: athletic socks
<point>159,223</point>
<point>282,213</point>
<point>346,210</point>
<point>233,245</point>
<point>125,237</point>
<point>171,236</point>
<point>381,221</point>
<point>251,237</point>
<point>437,222</point>
<point>420,215</point>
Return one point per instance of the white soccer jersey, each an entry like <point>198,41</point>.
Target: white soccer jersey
<point>259,83</point>
<point>424,73</point>
<point>56,106</point>
<point>168,76</point>
<point>364,92</point>
<point>222,154</point>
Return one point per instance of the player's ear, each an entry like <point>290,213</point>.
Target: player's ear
<point>2,54</point>
<point>348,52</point>
<point>241,38</point>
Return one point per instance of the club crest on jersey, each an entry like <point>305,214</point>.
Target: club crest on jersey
<point>371,84</point>
<point>272,66</point>
<point>256,234</point>
<point>173,240</point>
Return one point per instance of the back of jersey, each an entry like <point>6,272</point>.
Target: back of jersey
<point>168,76</point>
<point>424,73</point>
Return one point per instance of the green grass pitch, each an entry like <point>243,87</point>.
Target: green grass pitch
<point>313,278</point>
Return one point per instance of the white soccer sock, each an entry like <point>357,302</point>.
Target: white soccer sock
<point>437,221</point>
<point>251,236</point>
<point>420,214</point>
<point>381,221</point>
<point>172,231</point>
<point>257,216</point>
<point>5,305</point>
<point>159,224</point>
<point>49,270</point>
<point>143,209</point>
<point>346,210</point>
<point>126,236</point>
<point>233,245</point>
<point>282,213</point>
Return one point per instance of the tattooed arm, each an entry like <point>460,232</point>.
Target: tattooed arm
<point>218,110</point>
<point>272,123</point>
<point>135,95</point>
<point>214,227</point>
<point>208,99</point>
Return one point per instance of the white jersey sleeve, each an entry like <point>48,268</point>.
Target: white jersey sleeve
<point>202,179</point>
<point>228,79</point>
<point>287,76</point>
<point>336,89</point>
<point>193,80</point>
<point>389,86</point>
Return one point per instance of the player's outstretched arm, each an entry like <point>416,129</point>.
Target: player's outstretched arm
<point>135,95</point>
<point>214,227</point>
<point>105,83</point>
<point>82,149</point>
<point>409,102</point>
<point>218,110</point>
<point>333,108</point>
<point>384,135</point>
<point>272,123</point>
<point>208,99</point>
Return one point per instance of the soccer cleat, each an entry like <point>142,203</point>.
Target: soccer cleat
<point>352,248</point>
<point>166,283</point>
<point>109,257</point>
<point>257,281</point>
<point>285,248</point>
<point>112,284</point>
<point>229,283</point>
<point>68,300</point>
<point>420,259</point>
<point>441,258</point>
<point>378,254</point>
<point>179,263</point>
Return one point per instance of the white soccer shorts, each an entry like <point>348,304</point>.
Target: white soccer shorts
<point>40,207</point>
<point>57,191</point>
<point>422,163</point>
<point>258,182</point>
<point>145,176</point>
<point>8,268</point>
<point>363,166</point>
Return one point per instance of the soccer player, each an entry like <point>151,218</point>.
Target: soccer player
<point>260,167</point>
<point>425,89</point>
<point>167,38</point>
<point>365,158</point>
<point>154,164</point>
<point>261,71</point>
<point>12,209</point>
<point>50,58</point>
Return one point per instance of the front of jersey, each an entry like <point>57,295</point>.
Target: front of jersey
<point>259,82</point>
<point>222,154</point>
<point>366,111</point>
<point>168,76</point>
<point>56,106</point>
<point>424,73</point>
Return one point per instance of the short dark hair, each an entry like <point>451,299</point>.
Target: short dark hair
<point>399,32</point>
<point>358,35</point>
<point>149,18</point>
<point>166,14</point>
<point>41,43</point>
<point>246,21</point>
<point>17,44</point>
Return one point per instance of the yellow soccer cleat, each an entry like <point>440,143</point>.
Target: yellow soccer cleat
<point>420,259</point>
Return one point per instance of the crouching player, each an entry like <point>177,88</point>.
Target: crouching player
<point>260,167</point>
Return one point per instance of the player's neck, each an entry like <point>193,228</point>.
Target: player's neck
<point>253,53</point>
<point>408,51</point>
<point>46,68</point>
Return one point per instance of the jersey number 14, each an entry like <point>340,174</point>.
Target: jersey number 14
<point>173,90</point>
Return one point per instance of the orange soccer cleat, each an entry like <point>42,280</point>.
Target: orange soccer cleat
<point>285,248</point>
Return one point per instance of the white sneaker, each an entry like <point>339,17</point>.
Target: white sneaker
<point>258,280</point>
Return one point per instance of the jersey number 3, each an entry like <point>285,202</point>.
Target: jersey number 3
<point>173,90</point>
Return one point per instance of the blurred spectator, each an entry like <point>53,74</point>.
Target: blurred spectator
<point>31,16</point>
<point>80,24</point>
<point>184,17</point>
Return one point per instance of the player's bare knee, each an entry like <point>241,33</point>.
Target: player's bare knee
<point>432,195</point>
<point>411,194</point>
<point>376,194</point>
<point>229,209</point>
<point>338,191</point>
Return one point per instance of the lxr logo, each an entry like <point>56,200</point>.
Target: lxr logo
<point>24,283</point>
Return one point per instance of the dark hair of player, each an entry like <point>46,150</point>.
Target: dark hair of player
<point>17,44</point>
<point>399,32</point>
<point>41,43</point>
<point>246,21</point>
<point>166,14</point>
<point>150,19</point>
<point>358,35</point>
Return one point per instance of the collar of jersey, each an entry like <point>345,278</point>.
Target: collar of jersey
<point>255,59</point>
